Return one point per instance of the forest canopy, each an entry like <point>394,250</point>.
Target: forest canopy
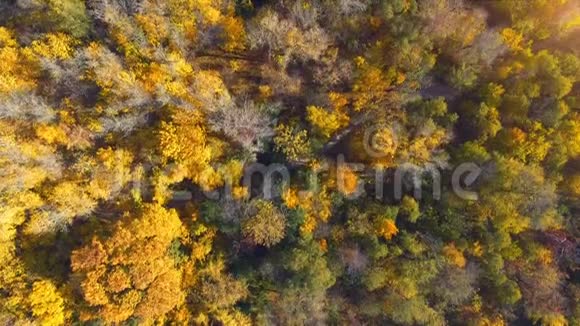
<point>289,162</point>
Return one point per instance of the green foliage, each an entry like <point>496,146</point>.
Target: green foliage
<point>472,152</point>
<point>463,77</point>
<point>69,16</point>
<point>309,267</point>
<point>410,209</point>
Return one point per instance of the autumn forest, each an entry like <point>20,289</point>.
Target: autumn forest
<point>290,162</point>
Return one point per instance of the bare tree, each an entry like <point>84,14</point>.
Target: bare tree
<point>355,260</point>
<point>26,106</point>
<point>305,16</point>
<point>485,49</point>
<point>348,7</point>
<point>247,124</point>
<point>124,124</point>
<point>286,38</point>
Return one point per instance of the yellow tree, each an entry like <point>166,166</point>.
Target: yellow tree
<point>315,205</point>
<point>326,122</point>
<point>378,148</point>
<point>454,255</point>
<point>18,66</point>
<point>70,199</point>
<point>265,224</point>
<point>292,142</point>
<point>26,300</point>
<point>386,228</point>
<point>185,142</point>
<point>373,86</point>
<point>111,173</point>
<point>130,274</point>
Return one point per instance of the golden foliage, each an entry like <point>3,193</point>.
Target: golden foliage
<point>379,148</point>
<point>18,66</point>
<point>386,228</point>
<point>347,180</point>
<point>327,123</point>
<point>55,46</point>
<point>290,198</point>
<point>454,255</point>
<point>184,141</point>
<point>154,27</point>
<point>513,39</point>
<point>316,206</point>
<point>6,38</point>
<point>477,249</point>
<point>46,304</point>
<point>71,199</point>
<point>234,33</point>
<point>144,276</point>
<point>372,85</point>
<point>292,142</point>
<point>52,134</point>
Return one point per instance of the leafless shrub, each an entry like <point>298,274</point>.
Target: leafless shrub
<point>107,68</point>
<point>134,95</point>
<point>131,7</point>
<point>298,306</point>
<point>542,290</point>
<point>178,40</point>
<point>542,201</point>
<point>65,77</point>
<point>26,4</point>
<point>51,164</point>
<point>451,18</point>
<point>441,16</point>
<point>209,37</point>
<point>55,71</point>
<point>232,210</point>
<point>48,221</point>
<point>313,44</point>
